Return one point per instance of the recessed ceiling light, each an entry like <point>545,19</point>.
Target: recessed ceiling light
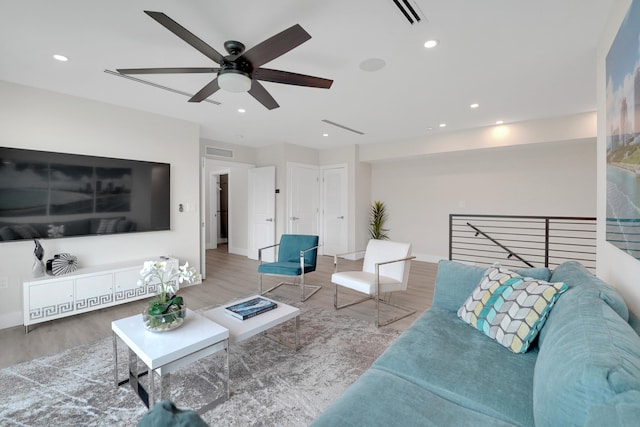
<point>60,58</point>
<point>499,122</point>
<point>430,44</point>
<point>474,105</point>
<point>241,110</point>
<point>325,134</point>
<point>443,125</point>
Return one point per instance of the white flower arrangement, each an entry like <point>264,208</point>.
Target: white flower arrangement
<point>165,311</point>
<point>169,280</point>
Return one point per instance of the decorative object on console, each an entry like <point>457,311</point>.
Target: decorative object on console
<point>38,265</point>
<point>62,264</point>
<point>510,308</point>
<point>166,311</point>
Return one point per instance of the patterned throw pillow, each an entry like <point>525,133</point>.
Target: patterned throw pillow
<point>510,308</point>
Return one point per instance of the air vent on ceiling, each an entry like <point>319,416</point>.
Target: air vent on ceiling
<point>409,11</point>
<point>146,82</point>
<point>342,126</point>
<point>215,151</point>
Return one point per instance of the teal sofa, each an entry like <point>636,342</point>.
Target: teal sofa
<point>583,369</point>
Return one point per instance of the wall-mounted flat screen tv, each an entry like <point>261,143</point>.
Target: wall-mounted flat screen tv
<point>50,195</point>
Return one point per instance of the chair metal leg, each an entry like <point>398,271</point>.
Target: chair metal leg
<point>303,287</point>
<point>338,307</point>
<point>407,311</point>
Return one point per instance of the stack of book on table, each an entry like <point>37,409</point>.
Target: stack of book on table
<point>253,307</point>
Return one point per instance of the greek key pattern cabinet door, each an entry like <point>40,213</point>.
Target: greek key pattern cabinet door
<point>50,300</point>
<point>94,291</point>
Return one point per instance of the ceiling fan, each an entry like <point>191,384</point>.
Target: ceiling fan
<point>240,70</point>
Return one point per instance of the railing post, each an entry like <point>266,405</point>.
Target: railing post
<point>546,242</point>
<point>450,237</point>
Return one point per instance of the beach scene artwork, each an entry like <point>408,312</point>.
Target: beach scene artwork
<point>623,135</point>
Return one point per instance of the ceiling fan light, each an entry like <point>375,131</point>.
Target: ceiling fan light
<point>234,81</point>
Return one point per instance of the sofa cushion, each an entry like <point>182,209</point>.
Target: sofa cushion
<point>442,354</point>
<point>379,398</point>
<point>588,368</point>
<point>580,281</point>
<point>575,274</point>
<point>509,308</point>
<point>455,281</point>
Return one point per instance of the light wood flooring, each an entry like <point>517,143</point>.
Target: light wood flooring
<point>229,277</point>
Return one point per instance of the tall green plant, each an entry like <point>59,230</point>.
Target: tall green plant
<point>377,219</point>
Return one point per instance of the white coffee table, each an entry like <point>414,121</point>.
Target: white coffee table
<point>165,352</point>
<point>240,330</point>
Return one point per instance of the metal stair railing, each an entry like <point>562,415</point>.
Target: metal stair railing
<point>519,241</point>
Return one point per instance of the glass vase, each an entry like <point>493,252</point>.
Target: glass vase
<point>169,321</point>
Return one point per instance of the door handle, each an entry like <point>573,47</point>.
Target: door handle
<point>341,217</point>
<point>269,219</point>
<point>293,218</point>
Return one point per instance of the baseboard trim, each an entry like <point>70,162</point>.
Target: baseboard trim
<point>429,258</point>
<point>9,320</point>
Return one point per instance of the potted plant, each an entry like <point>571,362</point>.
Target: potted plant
<point>166,310</point>
<point>377,219</point>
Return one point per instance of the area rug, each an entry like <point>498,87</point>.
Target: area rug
<point>271,384</point>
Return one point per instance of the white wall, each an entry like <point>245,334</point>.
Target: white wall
<point>568,128</point>
<point>613,265</point>
<point>556,179</point>
<point>41,120</point>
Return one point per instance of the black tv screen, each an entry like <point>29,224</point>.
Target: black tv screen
<point>51,195</point>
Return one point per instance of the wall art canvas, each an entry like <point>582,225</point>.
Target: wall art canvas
<point>623,135</point>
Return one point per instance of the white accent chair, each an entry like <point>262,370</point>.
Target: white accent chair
<point>385,270</point>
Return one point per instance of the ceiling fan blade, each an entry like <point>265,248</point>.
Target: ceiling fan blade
<point>166,70</point>
<point>275,46</point>
<point>286,77</point>
<point>187,36</point>
<point>211,88</point>
<point>260,93</point>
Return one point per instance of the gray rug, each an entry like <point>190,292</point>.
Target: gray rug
<point>271,385</point>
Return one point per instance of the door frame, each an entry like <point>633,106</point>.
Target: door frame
<point>216,166</point>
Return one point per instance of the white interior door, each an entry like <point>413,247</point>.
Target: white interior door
<point>213,211</point>
<point>335,210</point>
<point>262,210</point>
<point>303,199</point>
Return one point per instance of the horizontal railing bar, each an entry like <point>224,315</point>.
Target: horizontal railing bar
<point>526,239</point>
<point>575,218</point>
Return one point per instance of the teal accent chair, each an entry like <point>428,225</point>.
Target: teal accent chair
<point>297,255</point>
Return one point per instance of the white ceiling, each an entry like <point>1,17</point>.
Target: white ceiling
<point>520,60</point>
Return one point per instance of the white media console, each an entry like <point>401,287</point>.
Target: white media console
<point>86,289</point>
